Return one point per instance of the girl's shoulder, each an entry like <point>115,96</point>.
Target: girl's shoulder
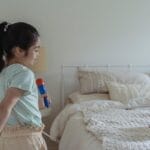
<point>14,69</point>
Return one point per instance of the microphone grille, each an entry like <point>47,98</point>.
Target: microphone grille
<point>39,81</point>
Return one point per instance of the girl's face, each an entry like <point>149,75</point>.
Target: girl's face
<point>32,55</point>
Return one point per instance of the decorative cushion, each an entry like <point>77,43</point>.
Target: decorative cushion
<point>95,81</point>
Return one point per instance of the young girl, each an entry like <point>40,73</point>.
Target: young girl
<point>20,119</point>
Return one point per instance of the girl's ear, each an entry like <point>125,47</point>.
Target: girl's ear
<point>18,52</point>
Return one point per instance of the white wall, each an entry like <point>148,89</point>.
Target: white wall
<point>85,32</point>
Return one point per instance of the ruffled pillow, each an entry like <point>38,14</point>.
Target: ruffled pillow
<point>126,93</point>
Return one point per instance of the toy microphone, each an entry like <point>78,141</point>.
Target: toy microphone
<point>42,90</point>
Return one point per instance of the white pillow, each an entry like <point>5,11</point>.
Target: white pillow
<point>127,92</point>
<point>95,81</point>
<point>78,97</point>
<point>140,101</point>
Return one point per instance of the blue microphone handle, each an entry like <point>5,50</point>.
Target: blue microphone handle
<point>46,102</point>
<point>42,91</point>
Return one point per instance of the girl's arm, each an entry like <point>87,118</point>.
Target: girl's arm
<point>41,103</point>
<point>6,105</point>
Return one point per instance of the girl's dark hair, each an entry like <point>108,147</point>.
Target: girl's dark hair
<point>19,34</point>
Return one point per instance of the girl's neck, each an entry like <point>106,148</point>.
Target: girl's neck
<point>13,61</point>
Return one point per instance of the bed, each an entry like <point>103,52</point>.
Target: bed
<point>110,111</point>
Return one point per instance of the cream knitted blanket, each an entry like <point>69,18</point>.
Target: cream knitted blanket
<point>117,127</point>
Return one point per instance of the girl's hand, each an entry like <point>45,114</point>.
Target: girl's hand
<point>41,101</point>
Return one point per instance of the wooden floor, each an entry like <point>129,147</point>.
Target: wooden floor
<point>50,144</point>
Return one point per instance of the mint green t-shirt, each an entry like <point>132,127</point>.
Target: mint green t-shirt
<point>26,111</point>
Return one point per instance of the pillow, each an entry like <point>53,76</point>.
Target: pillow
<point>139,101</point>
<point>78,97</point>
<point>95,81</point>
<point>127,92</point>
<point>143,99</point>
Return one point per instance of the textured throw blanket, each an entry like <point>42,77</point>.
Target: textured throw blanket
<point>116,127</point>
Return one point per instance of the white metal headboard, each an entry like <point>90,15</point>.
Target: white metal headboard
<point>69,72</point>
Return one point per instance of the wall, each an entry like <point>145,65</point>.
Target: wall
<point>85,32</point>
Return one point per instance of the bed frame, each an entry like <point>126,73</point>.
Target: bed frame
<point>69,81</point>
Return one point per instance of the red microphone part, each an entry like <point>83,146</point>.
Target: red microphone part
<point>40,81</point>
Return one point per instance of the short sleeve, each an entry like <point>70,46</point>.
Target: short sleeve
<point>23,80</point>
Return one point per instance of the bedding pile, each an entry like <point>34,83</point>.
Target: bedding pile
<point>118,127</point>
<point>111,122</point>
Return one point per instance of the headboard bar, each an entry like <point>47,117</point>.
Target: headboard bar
<point>107,65</point>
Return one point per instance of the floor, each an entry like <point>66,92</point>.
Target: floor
<point>50,144</point>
